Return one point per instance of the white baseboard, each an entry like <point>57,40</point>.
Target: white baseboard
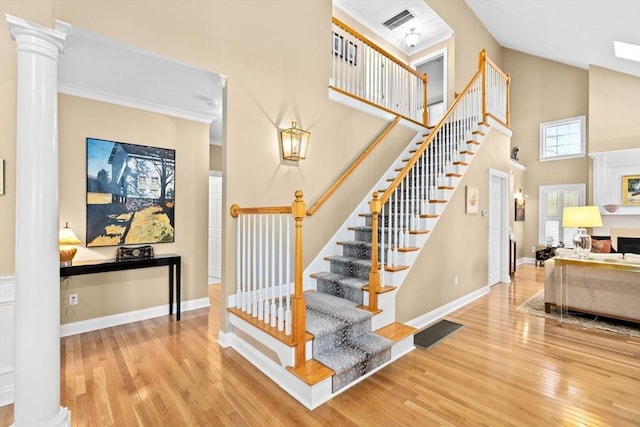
<point>132,316</point>
<point>430,317</point>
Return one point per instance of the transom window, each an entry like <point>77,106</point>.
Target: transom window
<point>563,139</point>
<point>553,200</point>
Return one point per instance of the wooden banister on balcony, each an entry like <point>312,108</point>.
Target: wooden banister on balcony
<point>364,71</point>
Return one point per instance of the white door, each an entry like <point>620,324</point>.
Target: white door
<point>215,228</point>
<point>497,228</point>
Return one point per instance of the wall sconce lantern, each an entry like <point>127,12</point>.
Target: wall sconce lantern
<point>519,195</point>
<point>67,241</point>
<point>295,142</point>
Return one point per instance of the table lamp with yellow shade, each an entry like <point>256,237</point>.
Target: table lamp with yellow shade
<point>581,217</point>
<point>67,241</point>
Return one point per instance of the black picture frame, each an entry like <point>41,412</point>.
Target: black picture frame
<point>338,45</point>
<point>352,53</point>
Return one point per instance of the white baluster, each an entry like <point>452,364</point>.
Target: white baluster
<point>287,313</point>
<point>281,277</point>
<point>273,271</point>
<point>254,284</point>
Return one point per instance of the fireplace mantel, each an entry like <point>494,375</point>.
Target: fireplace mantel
<point>608,169</point>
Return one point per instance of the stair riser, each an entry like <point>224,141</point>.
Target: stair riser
<point>350,269</point>
<point>354,294</point>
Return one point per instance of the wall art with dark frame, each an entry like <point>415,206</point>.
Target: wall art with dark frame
<point>130,194</point>
<point>346,49</point>
<point>338,45</point>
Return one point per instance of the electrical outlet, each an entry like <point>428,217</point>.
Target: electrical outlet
<point>533,249</point>
<point>73,299</point>
<point>455,281</point>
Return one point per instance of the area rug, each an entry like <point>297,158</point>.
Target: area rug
<point>435,333</point>
<point>535,306</point>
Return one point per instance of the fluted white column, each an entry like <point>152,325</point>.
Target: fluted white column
<point>37,268</point>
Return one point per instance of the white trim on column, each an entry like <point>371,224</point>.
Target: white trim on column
<point>7,338</point>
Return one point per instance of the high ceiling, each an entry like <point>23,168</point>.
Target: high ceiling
<point>574,32</point>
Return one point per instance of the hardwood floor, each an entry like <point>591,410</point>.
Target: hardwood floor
<point>502,368</point>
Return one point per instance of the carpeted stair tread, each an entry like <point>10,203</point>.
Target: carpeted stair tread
<point>341,286</point>
<point>358,321</point>
<point>328,332</point>
<point>350,266</point>
<point>377,348</point>
<point>347,362</point>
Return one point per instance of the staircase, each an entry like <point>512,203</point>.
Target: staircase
<point>337,326</point>
<point>336,313</point>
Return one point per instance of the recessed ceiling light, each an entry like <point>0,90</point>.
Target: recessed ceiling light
<point>627,51</point>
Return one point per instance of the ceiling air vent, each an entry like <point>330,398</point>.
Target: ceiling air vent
<point>399,19</point>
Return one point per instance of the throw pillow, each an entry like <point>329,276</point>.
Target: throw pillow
<point>601,246</point>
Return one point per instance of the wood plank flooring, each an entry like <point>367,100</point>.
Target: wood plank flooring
<point>503,368</point>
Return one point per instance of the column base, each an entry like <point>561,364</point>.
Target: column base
<point>61,419</point>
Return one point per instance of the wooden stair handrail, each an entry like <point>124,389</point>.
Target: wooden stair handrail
<point>352,167</point>
<point>414,158</point>
<point>377,201</point>
<point>236,210</point>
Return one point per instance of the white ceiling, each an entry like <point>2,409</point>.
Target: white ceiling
<point>372,13</point>
<point>97,67</point>
<point>574,32</point>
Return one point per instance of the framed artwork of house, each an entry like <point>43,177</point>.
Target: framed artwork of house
<point>130,194</point>
<point>631,190</point>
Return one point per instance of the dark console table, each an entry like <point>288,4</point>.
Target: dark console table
<point>105,265</point>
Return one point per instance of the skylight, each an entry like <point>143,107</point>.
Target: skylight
<point>627,51</point>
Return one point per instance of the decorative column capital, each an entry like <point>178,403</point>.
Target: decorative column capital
<point>35,37</point>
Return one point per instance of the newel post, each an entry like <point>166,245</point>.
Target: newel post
<point>483,79</point>
<point>299,211</point>
<point>425,113</point>
<point>508,110</point>
<point>374,276</point>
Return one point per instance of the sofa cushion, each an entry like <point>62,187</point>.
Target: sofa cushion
<point>631,258</point>
<point>601,246</point>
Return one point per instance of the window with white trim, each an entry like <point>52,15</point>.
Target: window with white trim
<point>563,139</point>
<point>553,199</point>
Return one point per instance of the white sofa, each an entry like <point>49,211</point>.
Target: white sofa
<point>609,286</point>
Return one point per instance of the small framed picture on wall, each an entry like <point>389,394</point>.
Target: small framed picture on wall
<point>472,196</point>
<point>338,45</point>
<point>631,190</point>
<point>519,212</point>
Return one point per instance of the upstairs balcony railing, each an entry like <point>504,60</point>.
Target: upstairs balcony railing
<point>363,70</point>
